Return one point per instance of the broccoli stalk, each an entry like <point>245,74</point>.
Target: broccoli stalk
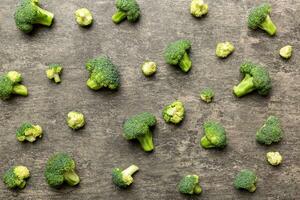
<point>71,177</point>
<point>20,90</point>
<point>185,63</point>
<point>245,86</point>
<point>123,178</point>
<point>146,141</point>
<point>118,17</point>
<point>268,26</point>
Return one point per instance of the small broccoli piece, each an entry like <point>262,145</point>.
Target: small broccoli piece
<point>54,72</point>
<point>176,53</point>
<point>270,132</point>
<point>286,52</point>
<point>207,95</point>
<point>224,49</point>
<point>10,84</point>
<point>123,178</point>
<point>245,179</point>
<point>83,17</point>
<point>15,177</point>
<point>256,77</point>
<point>75,120</point>
<point>29,13</point>
<point>138,127</point>
<point>29,132</point>
<point>259,17</point>
<point>60,168</point>
<point>174,112</point>
<point>126,9</point>
<point>149,68</point>
<point>215,135</point>
<point>198,8</point>
<point>274,158</point>
<point>190,185</point>
<point>103,73</point>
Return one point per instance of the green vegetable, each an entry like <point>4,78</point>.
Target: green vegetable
<point>60,168</point>
<point>215,135</point>
<point>123,178</point>
<point>138,127</point>
<point>10,84</point>
<point>83,17</point>
<point>54,71</point>
<point>174,112</point>
<point>224,49</point>
<point>286,52</point>
<point>259,18</point>
<point>126,9</point>
<point>103,73</point>
<point>176,53</point>
<point>29,132</point>
<point>149,68</point>
<point>198,8</point>
<point>246,179</point>
<point>207,95</point>
<point>190,185</point>
<point>75,120</point>
<point>28,13</point>
<point>270,132</point>
<point>15,177</point>
<point>274,158</point>
<point>256,78</point>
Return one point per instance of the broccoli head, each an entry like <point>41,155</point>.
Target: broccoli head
<point>149,68</point>
<point>198,8</point>
<point>224,49</point>
<point>274,158</point>
<point>190,185</point>
<point>215,135</point>
<point>29,132</point>
<point>83,17</point>
<point>286,51</point>
<point>60,168</point>
<point>75,120</point>
<point>123,178</point>
<point>256,78</point>
<point>126,9</point>
<point>174,112</point>
<point>270,132</point>
<point>259,17</point>
<point>103,73</point>
<point>10,84</point>
<point>29,13</point>
<point>176,53</point>
<point>54,71</point>
<point>138,127</point>
<point>207,95</point>
<point>15,177</point>
<point>245,179</point>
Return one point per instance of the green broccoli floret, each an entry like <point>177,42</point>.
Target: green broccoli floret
<point>259,18</point>
<point>198,8</point>
<point>138,127</point>
<point>270,132</point>
<point>126,9</point>
<point>10,84</point>
<point>60,168</point>
<point>29,13</point>
<point>54,71</point>
<point>123,178</point>
<point>103,73</point>
<point>15,177</point>
<point>176,53</point>
<point>256,78</point>
<point>224,49</point>
<point>274,158</point>
<point>215,135</point>
<point>286,51</point>
<point>245,179</point>
<point>207,95</point>
<point>149,68</point>
<point>190,185</point>
<point>174,112</point>
<point>75,120</point>
<point>83,17</point>
<point>29,132</point>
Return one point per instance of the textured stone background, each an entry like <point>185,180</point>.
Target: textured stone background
<point>100,146</point>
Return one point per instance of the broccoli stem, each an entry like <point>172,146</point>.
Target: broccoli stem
<point>205,143</point>
<point>146,141</point>
<point>118,17</point>
<point>56,78</point>
<point>20,90</point>
<point>22,185</point>
<point>252,189</point>
<point>130,170</point>
<point>71,178</point>
<point>44,17</point>
<point>197,189</point>
<point>93,85</point>
<point>268,26</point>
<point>244,87</point>
<point>185,63</point>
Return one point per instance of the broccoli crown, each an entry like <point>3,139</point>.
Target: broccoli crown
<point>29,132</point>
<point>149,68</point>
<point>29,13</point>
<point>215,135</point>
<point>10,84</point>
<point>59,168</point>
<point>270,132</point>
<point>53,72</point>
<point>286,51</point>
<point>274,158</point>
<point>174,112</point>
<point>15,177</point>
<point>198,8</point>
<point>75,120</point>
<point>245,179</point>
<point>224,49</point>
<point>207,95</point>
<point>127,8</point>
<point>103,73</point>
<point>123,178</point>
<point>190,185</point>
<point>83,17</point>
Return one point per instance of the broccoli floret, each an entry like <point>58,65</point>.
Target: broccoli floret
<point>224,49</point>
<point>207,95</point>
<point>176,53</point>
<point>126,9</point>
<point>54,72</point>
<point>174,112</point>
<point>259,17</point>
<point>138,127</point>
<point>190,185</point>
<point>270,132</point>
<point>215,135</point>
<point>256,78</point>
<point>29,132</point>
<point>274,158</point>
<point>123,178</point>
<point>149,68</point>
<point>246,179</point>
<point>75,120</point>
<point>83,17</point>
<point>10,84</point>
<point>198,8</point>
<point>60,168</point>
<point>103,73</point>
<point>29,13</point>
<point>286,52</point>
<point>15,177</point>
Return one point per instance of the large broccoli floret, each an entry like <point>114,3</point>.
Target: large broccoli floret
<point>126,9</point>
<point>15,177</point>
<point>215,135</point>
<point>60,168</point>
<point>259,18</point>
<point>256,78</point>
<point>29,132</point>
<point>29,13</point>
<point>123,178</point>
<point>190,185</point>
<point>245,179</point>
<point>54,72</point>
<point>103,73</point>
<point>138,127</point>
<point>174,112</point>
<point>176,53</point>
<point>10,84</point>
<point>270,132</point>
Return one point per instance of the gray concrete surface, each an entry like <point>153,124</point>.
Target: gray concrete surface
<point>100,146</point>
